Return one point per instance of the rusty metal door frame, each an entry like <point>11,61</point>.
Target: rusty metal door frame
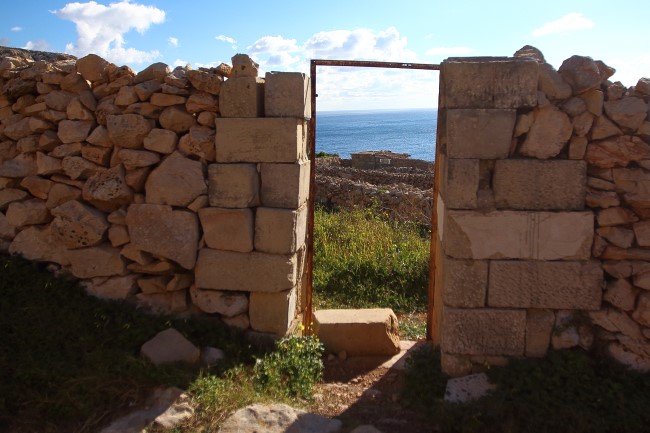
<point>308,315</point>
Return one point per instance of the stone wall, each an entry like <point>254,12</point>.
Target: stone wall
<point>183,190</point>
<point>542,211</point>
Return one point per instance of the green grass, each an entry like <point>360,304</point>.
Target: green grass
<point>364,259</point>
<point>568,391</point>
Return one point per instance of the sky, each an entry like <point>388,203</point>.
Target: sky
<point>285,35</point>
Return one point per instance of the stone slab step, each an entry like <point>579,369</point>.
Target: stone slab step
<point>358,332</point>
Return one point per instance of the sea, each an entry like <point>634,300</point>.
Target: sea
<point>411,131</point>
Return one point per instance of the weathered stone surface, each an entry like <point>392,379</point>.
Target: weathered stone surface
<point>618,269</point>
<point>552,84</point>
<point>642,233</point>
<point>621,294</point>
<point>80,168</point>
<point>642,280</point>
<point>22,165</point>
<point>221,270</point>
<point>177,181</point>
<point>614,320</point>
<point>38,244</point>
<point>37,186</point>
<point>202,102</point>
<point>574,106</point>
<point>483,331</point>
<point>479,133</point>
<point>118,235</point>
<point>539,284</point>
<point>578,147</point>
<point>243,66</point>
<point>233,185</point>
<point>285,185</point>
<point>539,185</point>
<point>58,100</point>
<point>161,141</point>
<point>69,149</point>
<point>24,127</point>
<point>358,332</point>
<point>287,94</point>
<point>642,312</point>
<point>126,96</point>
<point>549,133</point>
<point>133,159</point>
<point>461,184</point>
<point>278,418</point>
<point>100,261</point>
<point>228,304</point>
<point>518,235</point>
<point>539,326</point>
<point>144,109</point>
<point>582,124</point>
<point>272,312</point>
<point>176,119</point>
<point>468,388</point>
<point>27,144</point>
<point>228,229</point>
<point>168,302</point>
<point>581,73</point>
<point>170,346</point>
<point>28,212</point>
<point>627,112</point>
<point>127,130</point>
<point>92,67</point>
<point>77,111</point>
<point>108,191</point>
<point>242,97</point>
<point>206,118</point>
<point>619,236</point>
<point>97,155</point>
<point>165,100</point>
<point>73,131</point>
<point>490,82</point>
<point>205,81</point>
<point>112,288</point>
<point>164,232</point>
<point>280,231</point>
<point>617,152</point>
<point>155,284</point>
<point>157,71</point>
<point>616,216</point>
<point>464,283</point>
<point>198,141</point>
<point>602,128</point>
<point>628,358</point>
<point>615,253</point>
<point>7,231</point>
<point>61,193</point>
<point>77,225</point>
<point>260,140</point>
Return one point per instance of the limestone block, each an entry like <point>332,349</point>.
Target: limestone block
<point>233,185</point>
<point>228,229</point>
<point>642,233</point>
<point>146,89</point>
<point>76,111</point>
<point>7,231</point>
<point>149,111</point>
<point>552,84</point>
<point>518,235</point>
<point>602,128</point>
<point>97,155</point>
<point>280,231</point>
<point>616,216</point>
<point>165,100</point>
<point>70,149</point>
<point>539,185</point>
<point>38,244</point>
<point>539,284</point>
<point>615,253</point>
<point>37,186</point>
<point>28,144</point>
<point>228,304</point>
<point>205,81</point>
<point>539,325</point>
<point>118,235</point>
<point>285,185</point>
<point>581,73</point>
<point>61,193</point>
<point>198,203</point>
<point>177,181</point>
<point>28,212</point>
<point>483,331</point>
<point>76,167</point>
<point>628,112</point>
<point>48,140</point>
<point>619,236</point>
<point>73,131</point>
<point>272,312</point>
<point>159,230</point>
<point>168,302</point>
<point>92,67</point>
<point>126,96</point>
<point>358,332</point>
<point>617,151</point>
<point>464,282</point>
<point>108,191</point>
<point>243,66</point>
<point>549,133</point>
<point>642,312</point>
<point>77,225</point>
<point>489,82</point>
<point>58,100</point>
<point>161,141</point>
<point>176,119</point>
<point>479,133</point>
<point>199,141</point>
<point>113,288</point>
<point>461,183</point>
<point>287,94</point>
<point>202,102</point>
<point>127,130</point>
<point>621,294</point>
<point>22,165</point>
<point>100,261</point>
<point>136,178</point>
<point>242,97</point>
<point>222,270</point>
<point>642,280</point>
<point>170,346</point>
<point>261,140</point>
<point>133,159</point>
<point>618,269</point>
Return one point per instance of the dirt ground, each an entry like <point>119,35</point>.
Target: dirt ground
<point>366,390</point>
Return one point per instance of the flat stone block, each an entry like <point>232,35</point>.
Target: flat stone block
<point>287,94</point>
<point>464,282</point>
<point>285,185</point>
<point>489,82</point>
<point>468,388</point>
<point>358,332</point>
<point>462,183</point>
<point>539,325</point>
<point>480,133</point>
<point>483,332</point>
<point>530,184</point>
<point>228,229</point>
<point>280,231</point>
<point>518,235</point>
<point>260,140</point>
<point>233,185</point>
<point>272,312</point>
<point>242,97</point>
<point>250,272</point>
<point>539,284</point>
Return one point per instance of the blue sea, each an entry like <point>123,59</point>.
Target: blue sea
<point>410,131</point>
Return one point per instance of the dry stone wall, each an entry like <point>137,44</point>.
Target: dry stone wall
<point>184,190</point>
<point>542,212</point>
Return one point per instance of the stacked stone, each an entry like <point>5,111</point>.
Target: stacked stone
<point>121,179</point>
<point>416,178</point>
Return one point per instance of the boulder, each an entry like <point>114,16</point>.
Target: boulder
<point>176,119</point>
<point>581,73</point>
<point>199,141</point>
<point>127,130</point>
<point>549,133</point>
<point>157,71</point>
<point>627,112</point>
<point>170,346</point>
<point>108,191</point>
<point>161,141</point>
<point>278,418</point>
<point>92,67</point>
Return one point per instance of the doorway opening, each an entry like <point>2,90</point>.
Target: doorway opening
<point>377,160</point>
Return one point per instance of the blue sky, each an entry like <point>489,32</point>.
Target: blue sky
<point>284,35</point>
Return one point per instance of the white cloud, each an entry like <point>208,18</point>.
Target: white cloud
<point>180,62</point>
<point>101,29</point>
<point>16,29</point>
<point>38,45</point>
<point>572,21</point>
<point>448,51</point>
<point>227,39</point>
<point>173,41</point>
